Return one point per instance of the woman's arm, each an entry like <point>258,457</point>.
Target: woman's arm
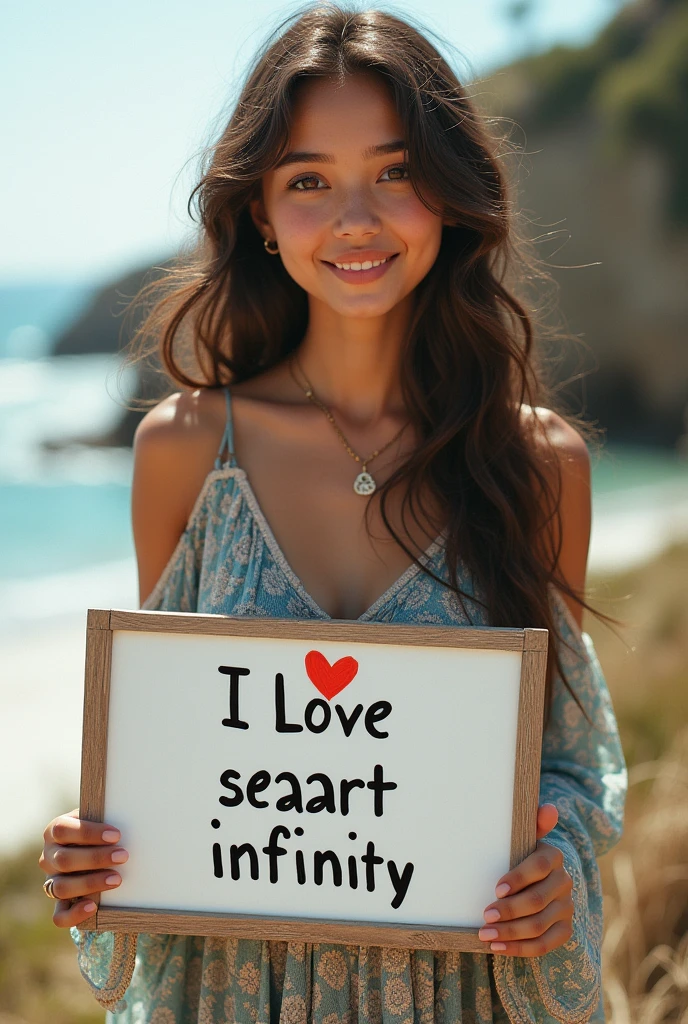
<point>583,774</point>
<point>174,448</point>
<point>534,910</point>
<point>566,462</point>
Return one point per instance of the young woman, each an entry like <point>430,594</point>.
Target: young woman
<point>381,453</point>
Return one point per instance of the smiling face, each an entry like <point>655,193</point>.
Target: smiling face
<point>350,228</point>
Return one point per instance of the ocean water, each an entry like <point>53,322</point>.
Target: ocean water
<point>33,314</point>
<point>65,533</point>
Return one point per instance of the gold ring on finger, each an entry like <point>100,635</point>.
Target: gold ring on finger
<point>48,888</point>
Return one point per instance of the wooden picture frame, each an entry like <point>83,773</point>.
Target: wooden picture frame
<point>101,627</point>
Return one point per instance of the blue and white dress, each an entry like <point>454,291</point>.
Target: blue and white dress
<point>227,561</point>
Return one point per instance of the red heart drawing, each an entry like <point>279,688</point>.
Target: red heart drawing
<point>330,679</point>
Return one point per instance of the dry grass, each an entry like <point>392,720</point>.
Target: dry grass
<point>39,979</point>
<point>645,949</point>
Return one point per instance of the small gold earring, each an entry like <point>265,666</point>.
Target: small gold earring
<point>271,246</point>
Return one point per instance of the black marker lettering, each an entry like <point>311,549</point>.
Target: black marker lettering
<point>217,860</point>
<point>379,786</point>
<point>274,851</point>
<point>300,868</point>
<point>311,708</point>
<point>292,800</point>
<point>281,723</point>
<point>375,713</point>
<point>370,860</point>
<point>348,723</point>
<point>325,802</point>
<point>235,800</point>
<point>235,854</point>
<point>256,784</point>
<point>345,787</point>
<point>234,722</point>
<point>400,883</point>
<point>353,872</point>
<point>319,858</point>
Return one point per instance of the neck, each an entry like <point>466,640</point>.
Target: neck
<point>353,364</point>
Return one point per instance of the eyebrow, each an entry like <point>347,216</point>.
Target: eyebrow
<point>304,157</point>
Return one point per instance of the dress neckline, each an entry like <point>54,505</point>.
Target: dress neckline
<point>296,582</point>
<point>268,535</point>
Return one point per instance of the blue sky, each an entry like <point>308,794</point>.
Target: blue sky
<point>106,107</point>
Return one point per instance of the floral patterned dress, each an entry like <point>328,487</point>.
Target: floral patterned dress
<point>227,561</point>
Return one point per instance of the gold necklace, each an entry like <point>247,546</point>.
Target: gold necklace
<point>364,484</point>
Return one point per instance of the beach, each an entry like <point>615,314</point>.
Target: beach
<point>41,691</point>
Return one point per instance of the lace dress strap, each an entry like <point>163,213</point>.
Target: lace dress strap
<point>228,436</point>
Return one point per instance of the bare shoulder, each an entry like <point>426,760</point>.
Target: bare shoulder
<point>565,453</point>
<point>554,436</point>
<point>175,445</point>
<point>186,419</point>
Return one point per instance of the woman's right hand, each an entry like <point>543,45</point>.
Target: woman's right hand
<point>79,855</point>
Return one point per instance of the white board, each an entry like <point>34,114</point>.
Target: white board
<point>449,750</point>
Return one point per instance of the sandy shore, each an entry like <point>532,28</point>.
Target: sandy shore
<point>41,692</point>
<point>632,526</point>
<point>41,688</point>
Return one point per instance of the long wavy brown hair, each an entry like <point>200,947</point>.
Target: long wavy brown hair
<point>227,311</point>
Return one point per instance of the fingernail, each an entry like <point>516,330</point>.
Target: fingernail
<point>110,835</point>
<point>492,915</point>
<point>498,947</point>
<point>113,880</point>
<point>502,889</point>
<point>119,856</point>
<point>89,907</point>
<point>488,933</point>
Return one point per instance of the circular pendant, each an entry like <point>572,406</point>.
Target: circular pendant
<point>364,484</point>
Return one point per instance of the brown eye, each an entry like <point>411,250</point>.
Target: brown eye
<point>398,173</point>
<point>308,183</point>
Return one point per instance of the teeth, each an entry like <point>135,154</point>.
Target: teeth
<point>366,265</point>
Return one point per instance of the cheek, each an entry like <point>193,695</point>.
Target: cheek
<point>420,229</point>
<point>299,224</point>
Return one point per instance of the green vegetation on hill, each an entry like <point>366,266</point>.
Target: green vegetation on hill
<point>645,99</point>
<point>633,76</point>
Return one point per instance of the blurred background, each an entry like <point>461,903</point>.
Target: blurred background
<point>106,113</point>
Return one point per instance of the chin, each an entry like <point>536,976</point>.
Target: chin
<point>365,306</point>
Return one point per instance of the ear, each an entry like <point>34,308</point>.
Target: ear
<point>259,217</point>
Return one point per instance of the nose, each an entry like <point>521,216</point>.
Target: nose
<point>357,216</point>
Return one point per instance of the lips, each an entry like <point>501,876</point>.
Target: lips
<point>355,258</point>
<point>361,267</point>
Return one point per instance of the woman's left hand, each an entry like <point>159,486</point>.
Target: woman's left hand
<point>534,910</point>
